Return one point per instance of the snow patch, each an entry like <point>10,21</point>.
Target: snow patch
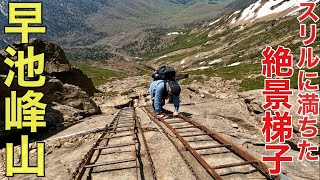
<point>266,10</point>
<point>202,63</point>
<point>204,67</point>
<point>173,33</point>
<point>214,22</point>
<point>162,57</point>
<point>259,10</point>
<point>248,13</point>
<point>296,11</point>
<point>293,13</point>
<point>234,64</point>
<point>201,68</point>
<point>233,20</point>
<point>215,61</point>
<point>236,12</point>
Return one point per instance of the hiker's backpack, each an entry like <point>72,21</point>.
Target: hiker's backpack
<point>164,73</point>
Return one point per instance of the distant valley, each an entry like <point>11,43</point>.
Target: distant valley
<point>84,22</point>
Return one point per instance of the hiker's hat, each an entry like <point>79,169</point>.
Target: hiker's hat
<point>175,88</point>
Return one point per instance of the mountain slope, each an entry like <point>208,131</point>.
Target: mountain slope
<point>83,22</point>
<point>238,4</point>
<point>264,9</point>
<point>233,50</point>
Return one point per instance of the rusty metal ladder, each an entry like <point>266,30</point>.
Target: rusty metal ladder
<point>193,127</point>
<point>123,122</point>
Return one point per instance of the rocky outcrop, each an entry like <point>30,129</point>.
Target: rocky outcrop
<point>255,100</point>
<point>67,90</point>
<point>215,87</point>
<point>56,64</point>
<point>181,76</point>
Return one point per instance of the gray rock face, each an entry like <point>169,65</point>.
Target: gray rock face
<point>216,87</point>
<point>67,90</point>
<point>79,99</point>
<point>56,64</point>
<point>57,94</point>
<point>239,120</point>
<point>255,100</point>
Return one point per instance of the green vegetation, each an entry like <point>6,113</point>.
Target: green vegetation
<point>189,40</point>
<point>294,78</point>
<point>125,93</point>
<point>198,78</point>
<point>99,76</point>
<point>248,84</point>
<point>228,73</point>
<point>148,46</point>
<point>243,46</point>
<point>179,57</point>
<point>111,94</point>
<point>249,74</point>
<point>241,72</point>
<point>144,85</point>
<point>85,54</point>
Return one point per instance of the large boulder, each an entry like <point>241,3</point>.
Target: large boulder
<point>55,94</point>
<point>66,92</point>
<point>255,100</point>
<point>56,64</point>
<point>73,96</point>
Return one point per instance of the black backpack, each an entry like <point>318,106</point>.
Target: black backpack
<point>164,73</point>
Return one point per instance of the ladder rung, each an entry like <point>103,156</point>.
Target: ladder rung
<point>121,126</point>
<point>125,120</point>
<point>186,127</point>
<point>177,122</point>
<point>123,130</point>
<point>117,169</point>
<point>117,152</point>
<point>118,136</point>
<point>109,163</point>
<point>190,131</point>
<point>126,116</point>
<point>212,153</point>
<point>114,146</point>
<point>193,135</point>
<point>236,164</point>
<point>213,146</point>
<point>124,124</point>
<point>200,140</point>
